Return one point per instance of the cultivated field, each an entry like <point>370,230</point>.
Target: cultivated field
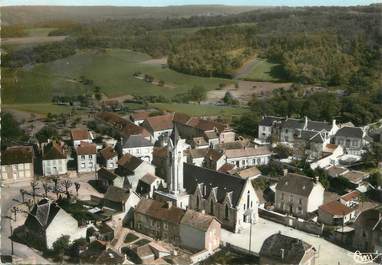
<point>260,70</point>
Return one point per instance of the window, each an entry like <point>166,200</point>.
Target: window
<point>165,226</point>
<point>354,143</point>
<point>226,210</point>
<point>212,207</point>
<point>248,198</point>
<point>259,161</point>
<point>152,223</point>
<point>197,202</point>
<point>82,165</point>
<point>90,156</point>
<point>90,164</point>
<point>238,163</point>
<point>82,157</point>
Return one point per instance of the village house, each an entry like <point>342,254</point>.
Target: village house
<point>139,117</point>
<point>159,220</point>
<point>269,126</point>
<point>47,222</point>
<point>137,146</point>
<point>352,139</point>
<point>199,231</point>
<point>17,164</point>
<point>86,156</point>
<point>108,158</point>
<point>248,156</point>
<point>134,130</point>
<point>298,195</point>
<point>120,199</point>
<point>340,211</point>
<point>214,159</point>
<point>133,168</point>
<point>282,249</point>
<point>80,135</point>
<point>186,228</point>
<point>249,173</point>
<point>232,200</point>
<point>159,126</point>
<point>196,156</point>
<point>368,231</point>
<point>199,143</point>
<point>108,178</point>
<point>148,184</point>
<point>54,159</point>
<point>290,128</point>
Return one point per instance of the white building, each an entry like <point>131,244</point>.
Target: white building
<point>86,157</point>
<point>298,195</point>
<point>54,159</point>
<point>249,156</point>
<point>80,135</point>
<point>138,146</point>
<point>47,222</point>
<point>17,164</point>
<point>352,139</point>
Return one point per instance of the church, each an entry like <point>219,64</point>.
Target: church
<point>231,199</point>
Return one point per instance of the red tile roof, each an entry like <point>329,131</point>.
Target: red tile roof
<point>159,210</point>
<point>226,168</point>
<point>246,152</point>
<point>336,208</point>
<point>159,123</point>
<point>139,115</point>
<point>86,149</point>
<point>108,152</point>
<point>80,134</point>
<point>351,195</point>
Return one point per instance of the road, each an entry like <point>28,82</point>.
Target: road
<point>328,253</point>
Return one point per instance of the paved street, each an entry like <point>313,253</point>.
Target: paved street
<point>328,253</point>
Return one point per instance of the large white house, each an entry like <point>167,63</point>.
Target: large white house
<point>352,139</point>
<point>86,157</point>
<point>138,146</point>
<point>108,157</point>
<point>47,222</point>
<point>298,195</point>
<point>17,163</point>
<point>54,159</point>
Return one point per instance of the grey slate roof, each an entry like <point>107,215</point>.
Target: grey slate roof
<point>312,136</point>
<point>17,155</point>
<point>269,120</point>
<point>41,215</point>
<point>354,132</point>
<point>293,124</point>
<point>296,184</point>
<point>135,141</point>
<point>294,249</point>
<point>319,126</point>
<point>106,174</point>
<point>194,175</point>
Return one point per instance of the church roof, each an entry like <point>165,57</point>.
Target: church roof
<point>194,175</point>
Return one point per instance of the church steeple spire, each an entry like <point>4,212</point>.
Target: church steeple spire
<point>176,147</point>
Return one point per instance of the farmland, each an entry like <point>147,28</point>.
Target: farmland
<point>261,70</point>
<point>112,70</point>
<point>34,36</point>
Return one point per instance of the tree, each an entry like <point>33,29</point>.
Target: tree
<point>46,133</point>
<point>282,151</point>
<point>22,193</point>
<point>60,246</point>
<point>56,187</point>
<point>11,133</point>
<point>197,93</point>
<point>67,183</point>
<point>35,188</point>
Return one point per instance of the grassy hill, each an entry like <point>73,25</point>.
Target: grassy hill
<point>112,70</point>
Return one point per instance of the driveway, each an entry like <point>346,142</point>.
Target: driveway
<point>327,252</point>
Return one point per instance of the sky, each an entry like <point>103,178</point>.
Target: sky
<point>192,2</point>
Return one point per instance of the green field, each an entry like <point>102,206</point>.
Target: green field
<point>263,70</point>
<point>111,70</point>
<point>43,108</point>
<point>200,110</point>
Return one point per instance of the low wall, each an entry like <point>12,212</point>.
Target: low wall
<point>306,226</point>
<point>202,255</point>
